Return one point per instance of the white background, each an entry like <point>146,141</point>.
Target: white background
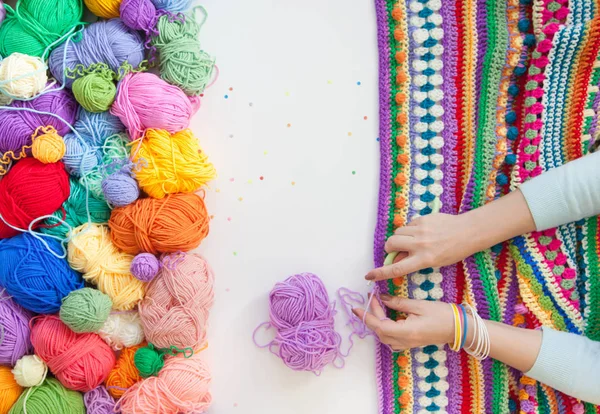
<point>297,63</point>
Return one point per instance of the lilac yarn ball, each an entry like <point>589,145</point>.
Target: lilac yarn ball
<point>145,267</point>
<point>120,189</point>
<point>99,401</point>
<point>14,330</point>
<point>2,12</point>
<point>138,14</point>
<point>173,5</point>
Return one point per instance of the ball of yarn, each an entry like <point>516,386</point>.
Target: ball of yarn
<point>91,252</point>
<point>106,41</point>
<point>99,401</point>
<point>124,374</point>
<point>172,5</point>
<point>145,267</point>
<point>120,189</point>
<point>18,126</point>
<point>30,190</point>
<point>50,397</point>
<point>177,303</point>
<point>122,330</point>
<point>79,157</point>
<point>34,277</point>
<point>104,8</point>
<point>94,92</point>
<point>48,147</point>
<point>182,61</point>
<point>146,101</point>
<point>181,225</point>
<point>114,152</point>
<point>80,362</point>
<point>30,371</point>
<point>22,76</point>
<point>10,390</point>
<point>138,14</point>
<point>85,310</point>
<point>14,330</point>
<point>182,386</point>
<point>38,24</point>
<point>171,163</point>
<point>148,361</point>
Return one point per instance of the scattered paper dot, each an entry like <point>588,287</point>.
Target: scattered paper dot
<point>230,88</point>
<point>377,139</point>
<point>226,96</point>
<point>265,153</point>
<point>289,125</point>
<point>218,190</point>
<point>293,182</point>
<point>249,181</point>
<point>226,289</point>
<point>329,82</point>
<point>250,104</point>
<point>212,216</point>
<point>240,198</point>
<point>228,218</point>
<point>230,135</point>
<point>232,179</point>
<point>349,134</point>
<point>353,172</point>
<point>365,118</point>
<point>261,178</point>
<point>358,83</point>
<point>235,253</point>
<point>235,404</point>
<point>287,93</point>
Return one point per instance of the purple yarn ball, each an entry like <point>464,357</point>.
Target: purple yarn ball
<point>18,126</point>
<point>2,12</point>
<point>99,401</point>
<point>14,330</point>
<point>120,189</point>
<point>139,14</point>
<point>145,267</point>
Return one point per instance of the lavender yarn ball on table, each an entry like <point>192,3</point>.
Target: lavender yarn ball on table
<point>145,267</point>
<point>14,330</point>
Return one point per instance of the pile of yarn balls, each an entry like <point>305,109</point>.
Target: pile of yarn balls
<point>103,306</point>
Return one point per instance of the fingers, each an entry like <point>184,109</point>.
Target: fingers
<point>407,230</point>
<point>402,304</point>
<point>399,243</point>
<point>371,320</point>
<point>377,310</point>
<point>405,266</point>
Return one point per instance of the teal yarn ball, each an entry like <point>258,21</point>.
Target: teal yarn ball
<point>85,310</point>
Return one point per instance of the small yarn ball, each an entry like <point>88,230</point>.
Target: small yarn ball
<point>94,92</point>
<point>172,5</point>
<point>138,14</point>
<point>49,147</point>
<point>172,163</point>
<point>79,158</point>
<point>146,101</point>
<point>10,390</point>
<point>148,361</point>
<point>85,310</point>
<point>99,401</point>
<point>181,225</point>
<point>177,303</point>
<point>30,190</point>
<point>30,371</point>
<point>182,386</point>
<point>34,277</point>
<point>122,330</point>
<point>80,362</point>
<point>14,330</point>
<point>49,398</point>
<point>124,374</point>
<point>120,189</point>
<point>107,9</point>
<point>114,152</point>
<point>22,76</point>
<point>91,252</point>
<point>145,267</point>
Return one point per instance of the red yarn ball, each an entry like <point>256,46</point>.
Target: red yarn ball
<point>80,362</point>
<point>31,189</point>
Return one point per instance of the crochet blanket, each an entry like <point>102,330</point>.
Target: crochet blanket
<point>476,97</point>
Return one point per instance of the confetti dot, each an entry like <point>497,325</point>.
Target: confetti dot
<point>218,190</point>
<point>289,125</point>
<point>230,89</point>
<point>365,118</point>
<point>287,93</point>
<point>349,134</point>
<point>226,289</point>
<point>232,179</point>
<point>230,135</point>
<point>250,104</point>
<point>329,82</point>
<point>358,83</point>
<point>212,216</point>
<point>235,253</point>
<point>261,178</point>
<point>293,182</point>
<point>228,218</point>
<point>265,153</point>
<point>353,172</point>
<point>249,181</point>
<point>240,199</point>
<point>377,139</point>
<point>235,404</point>
<point>226,96</point>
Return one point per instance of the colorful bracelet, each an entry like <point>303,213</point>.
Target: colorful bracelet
<point>458,328</point>
<point>466,326</point>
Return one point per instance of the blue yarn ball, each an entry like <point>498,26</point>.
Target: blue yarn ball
<point>520,70</point>
<point>511,117</point>
<point>513,90</point>
<point>529,40</point>
<point>120,189</point>
<point>524,25</point>
<point>512,133</point>
<point>34,277</point>
<point>172,5</point>
<point>501,179</point>
<point>510,159</point>
<point>80,158</point>
<point>96,127</point>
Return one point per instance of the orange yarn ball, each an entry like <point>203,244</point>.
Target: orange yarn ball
<point>181,387</point>
<point>178,222</point>
<point>124,374</point>
<point>10,391</point>
<point>177,303</point>
<point>80,362</point>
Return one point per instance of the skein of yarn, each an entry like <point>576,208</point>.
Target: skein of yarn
<point>30,190</point>
<point>177,303</point>
<point>30,371</point>
<point>14,330</point>
<point>22,76</point>
<point>80,362</point>
<point>124,374</point>
<point>303,317</point>
<point>99,401</point>
<point>91,252</point>
<point>50,397</point>
<point>48,147</point>
<point>172,163</point>
<point>172,5</point>
<point>120,189</point>
<point>85,310</point>
<point>104,8</point>
<point>122,330</point>
<point>178,222</point>
<point>182,386</point>
<point>146,101</point>
<point>34,277</point>
<point>10,391</point>
<point>95,91</point>
<point>145,267</point>
<point>138,14</point>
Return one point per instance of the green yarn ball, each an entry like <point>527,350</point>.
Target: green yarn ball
<point>114,151</point>
<point>49,398</point>
<point>75,211</point>
<point>148,361</point>
<point>94,92</point>
<point>85,310</point>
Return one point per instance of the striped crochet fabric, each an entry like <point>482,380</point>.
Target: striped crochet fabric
<point>476,97</point>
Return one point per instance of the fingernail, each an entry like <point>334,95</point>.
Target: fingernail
<point>353,311</point>
<point>384,297</point>
<point>370,277</point>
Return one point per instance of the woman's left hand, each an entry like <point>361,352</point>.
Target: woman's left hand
<point>426,322</point>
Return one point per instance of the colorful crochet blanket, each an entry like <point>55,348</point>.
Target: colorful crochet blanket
<point>476,97</point>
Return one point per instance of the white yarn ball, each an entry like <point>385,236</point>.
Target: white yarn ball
<point>122,330</point>
<point>23,76</point>
<point>4,100</point>
<point>30,371</point>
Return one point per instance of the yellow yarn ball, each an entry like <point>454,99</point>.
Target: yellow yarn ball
<point>10,391</point>
<point>104,8</point>
<point>171,163</point>
<point>92,253</point>
<point>23,76</point>
<point>30,371</point>
<point>48,147</point>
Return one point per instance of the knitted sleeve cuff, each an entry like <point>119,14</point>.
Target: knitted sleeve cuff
<point>545,199</point>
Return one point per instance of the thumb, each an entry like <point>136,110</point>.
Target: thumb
<point>404,305</point>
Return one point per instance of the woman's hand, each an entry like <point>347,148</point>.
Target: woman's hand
<point>426,322</point>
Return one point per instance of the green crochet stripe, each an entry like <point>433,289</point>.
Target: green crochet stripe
<point>593,322</point>
<point>543,406</point>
